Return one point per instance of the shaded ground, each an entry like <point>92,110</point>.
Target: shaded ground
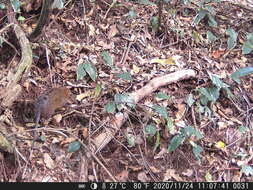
<point>72,37</point>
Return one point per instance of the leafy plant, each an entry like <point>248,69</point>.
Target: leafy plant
<point>86,68</point>
<point>247,170</point>
<point>212,93</point>
<point>107,59</point>
<point>231,43</point>
<point>120,101</point>
<point>205,11</point>
<point>208,95</point>
<point>187,133</point>
<point>240,73</point>
<point>248,45</point>
<point>210,36</point>
<point>150,130</point>
<point>74,146</point>
<point>125,76</point>
<point>15,5</point>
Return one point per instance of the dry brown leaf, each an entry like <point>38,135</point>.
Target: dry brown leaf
<point>154,169</point>
<point>48,161</point>
<point>135,168</point>
<point>68,140</point>
<point>161,153</point>
<point>85,132</point>
<point>26,85</point>
<point>222,125</point>
<point>81,96</point>
<point>57,118</point>
<point>170,173</point>
<point>122,176</point>
<point>113,31</point>
<point>143,177</point>
<point>188,173</point>
<point>217,53</point>
<point>181,110</point>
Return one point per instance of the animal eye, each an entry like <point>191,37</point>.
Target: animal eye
<point>45,98</point>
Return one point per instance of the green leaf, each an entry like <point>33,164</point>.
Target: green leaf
<point>243,129</point>
<point>121,99</point>
<point>130,140</point>
<point>247,47</point>
<point>21,18</point>
<point>162,96</point>
<point>189,131</point>
<point>154,23</point>
<point>210,94</point>
<point>58,4</point>
<point>150,130</point>
<point>208,177</point>
<point>247,170</point>
<point>16,5</point>
<point>170,126</point>
<point>80,72</point>
<point>250,37</point>
<point>175,142</point>
<point>146,2</point>
<point>110,107</point>
<point>190,100</point>
<point>161,110</point>
<point>241,73</point>
<point>231,43</point>
<point>210,36</point>
<point>107,58</point>
<point>98,90</point>
<point>2,6</point>
<point>132,14</point>
<point>211,21</point>
<point>74,146</point>
<point>201,14</point>
<point>197,150</point>
<point>91,70</point>
<point>125,76</point>
<point>204,101</point>
<point>217,82</point>
<point>157,142</point>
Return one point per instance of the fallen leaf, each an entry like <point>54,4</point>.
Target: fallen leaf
<point>113,31</point>
<point>135,69</point>
<point>57,118</point>
<point>181,111</point>
<point>122,176</point>
<point>48,161</point>
<point>222,125</point>
<point>79,97</point>
<point>68,140</point>
<point>142,176</point>
<point>169,174</point>
<point>188,173</point>
<point>217,53</point>
<point>161,153</point>
<point>85,132</point>
<point>169,61</point>
<point>154,169</point>
<point>208,177</point>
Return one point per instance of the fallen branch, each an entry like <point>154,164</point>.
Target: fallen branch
<point>24,65</point>
<point>105,137</point>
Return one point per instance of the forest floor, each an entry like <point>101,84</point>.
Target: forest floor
<point>196,129</point>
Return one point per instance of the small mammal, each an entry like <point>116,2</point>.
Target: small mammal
<point>46,104</point>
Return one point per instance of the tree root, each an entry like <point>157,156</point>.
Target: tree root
<point>119,119</point>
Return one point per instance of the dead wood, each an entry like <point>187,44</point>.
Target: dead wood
<point>106,136</point>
